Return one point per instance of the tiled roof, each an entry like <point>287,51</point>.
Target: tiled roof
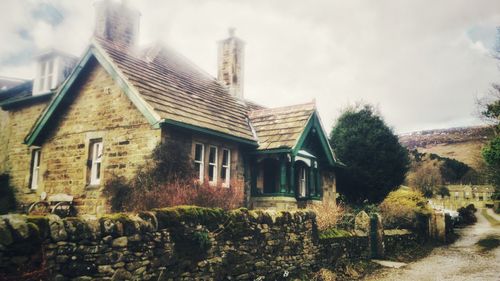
<point>18,91</point>
<point>177,90</point>
<point>10,82</point>
<point>253,106</point>
<point>280,127</point>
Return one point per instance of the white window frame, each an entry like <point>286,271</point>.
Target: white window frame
<point>302,181</point>
<point>227,167</point>
<point>212,165</point>
<point>35,168</point>
<point>201,169</point>
<point>96,161</point>
<point>47,75</point>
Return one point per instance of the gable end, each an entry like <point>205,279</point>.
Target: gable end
<point>315,123</point>
<point>92,52</point>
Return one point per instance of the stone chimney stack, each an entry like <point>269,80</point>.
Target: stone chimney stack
<point>117,22</point>
<point>230,63</point>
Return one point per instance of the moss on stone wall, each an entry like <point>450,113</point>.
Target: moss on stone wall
<point>185,242</point>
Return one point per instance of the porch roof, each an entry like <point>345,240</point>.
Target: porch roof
<point>281,127</point>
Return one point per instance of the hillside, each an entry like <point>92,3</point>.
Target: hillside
<point>463,144</point>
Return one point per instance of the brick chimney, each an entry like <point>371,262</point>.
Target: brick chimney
<point>117,22</point>
<point>231,62</point>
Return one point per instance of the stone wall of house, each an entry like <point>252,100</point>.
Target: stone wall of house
<point>14,154</point>
<point>189,138</point>
<point>4,139</point>
<point>99,109</point>
<point>237,165</point>
<point>183,243</point>
<point>329,186</point>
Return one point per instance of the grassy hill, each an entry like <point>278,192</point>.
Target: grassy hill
<point>463,144</point>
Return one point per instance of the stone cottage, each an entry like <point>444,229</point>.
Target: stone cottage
<point>80,121</point>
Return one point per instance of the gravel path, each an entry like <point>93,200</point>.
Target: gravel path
<point>460,261</point>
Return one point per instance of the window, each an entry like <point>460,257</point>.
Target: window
<point>302,181</point>
<point>198,160</point>
<point>46,78</point>
<point>225,172</point>
<point>212,165</point>
<point>95,161</point>
<point>35,168</point>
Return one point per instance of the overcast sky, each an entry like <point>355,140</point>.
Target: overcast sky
<point>422,63</point>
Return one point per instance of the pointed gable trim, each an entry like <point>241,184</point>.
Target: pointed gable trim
<point>93,51</point>
<point>315,122</point>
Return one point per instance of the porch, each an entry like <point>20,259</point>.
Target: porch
<point>284,181</point>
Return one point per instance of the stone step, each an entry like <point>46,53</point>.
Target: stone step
<point>391,264</point>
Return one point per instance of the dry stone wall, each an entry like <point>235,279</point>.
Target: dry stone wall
<point>183,243</point>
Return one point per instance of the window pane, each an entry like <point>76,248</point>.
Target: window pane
<point>198,152</point>
<point>223,173</point>
<point>95,159</point>
<point>212,155</point>
<point>211,173</point>
<point>51,67</point>
<point>98,172</point>
<point>225,156</point>
<point>42,83</point>
<point>35,168</point>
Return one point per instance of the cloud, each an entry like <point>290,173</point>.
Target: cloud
<point>422,62</point>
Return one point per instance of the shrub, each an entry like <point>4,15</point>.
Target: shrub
<point>171,162</point>
<point>328,214</point>
<point>324,275</point>
<point>400,208</point>
<point>167,180</point>
<point>183,193</point>
<point>444,191</point>
<point>467,214</point>
<point>118,192</point>
<point>7,196</point>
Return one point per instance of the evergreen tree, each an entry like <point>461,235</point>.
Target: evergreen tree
<point>376,163</point>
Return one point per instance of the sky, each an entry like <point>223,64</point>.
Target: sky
<point>422,63</point>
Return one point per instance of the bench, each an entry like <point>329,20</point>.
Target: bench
<point>60,204</point>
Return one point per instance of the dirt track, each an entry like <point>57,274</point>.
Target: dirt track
<point>460,261</point>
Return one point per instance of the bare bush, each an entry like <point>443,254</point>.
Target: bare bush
<point>328,214</point>
<point>182,193</point>
<point>167,180</point>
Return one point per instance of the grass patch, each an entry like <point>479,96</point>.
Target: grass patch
<point>333,233</point>
<point>489,243</point>
<point>491,219</point>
